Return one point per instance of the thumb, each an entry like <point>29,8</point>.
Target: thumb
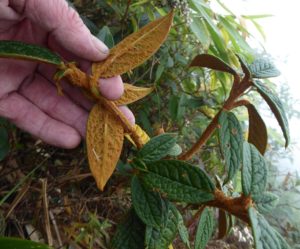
<point>64,23</point>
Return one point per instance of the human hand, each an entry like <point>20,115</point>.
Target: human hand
<point>28,96</point>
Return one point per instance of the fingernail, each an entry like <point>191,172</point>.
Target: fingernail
<point>99,45</point>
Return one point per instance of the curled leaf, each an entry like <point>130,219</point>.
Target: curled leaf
<point>104,141</point>
<point>142,134</point>
<point>132,94</point>
<point>134,49</point>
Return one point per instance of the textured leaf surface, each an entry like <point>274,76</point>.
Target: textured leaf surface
<point>205,229</point>
<point>179,181</point>
<point>231,142</point>
<point>265,202</point>
<point>132,94</point>
<point>20,50</point>
<point>157,148</point>
<point>258,134</point>
<point>183,231</point>
<point>130,233</point>
<point>161,238</point>
<point>212,62</point>
<point>254,172</point>
<point>265,237</point>
<point>142,135</point>
<point>276,107</point>
<point>263,68</point>
<point>104,141</point>
<point>134,49</point>
<point>148,205</point>
<point>15,243</point>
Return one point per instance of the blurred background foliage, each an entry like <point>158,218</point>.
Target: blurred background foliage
<point>185,99</point>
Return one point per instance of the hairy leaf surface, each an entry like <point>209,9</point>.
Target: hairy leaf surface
<point>254,172</point>
<point>277,108</point>
<point>205,229</point>
<point>262,68</point>
<point>258,134</point>
<point>231,142</point>
<point>104,141</point>
<point>132,94</point>
<point>179,181</point>
<point>151,208</point>
<point>20,50</point>
<point>265,202</point>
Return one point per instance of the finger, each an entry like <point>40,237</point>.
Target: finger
<point>128,114</point>
<point>66,26</point>
<point>44,95</point>
<point>30,118</point>
<point>111,88</point>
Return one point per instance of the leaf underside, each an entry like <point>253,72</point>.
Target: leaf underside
<point>263,68</point>
<point>104,141</point>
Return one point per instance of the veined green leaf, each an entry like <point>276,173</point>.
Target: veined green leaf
<point>157,148</point>
<point>15,243</point>
<point>276,106</point>
<point>265,202</point>
<point>262,68</point>
<point>205,229</point>
<point>130,233</point>
<point>231,142</point>
<point>265,237</point>
<point>179,181</point>
<point>148,205</point>
<point>212,62</point>
<point>254,172</point>
<point>183,231</point>
<point>161,238</point>
<point>20,50</point>
<point>258,134</point>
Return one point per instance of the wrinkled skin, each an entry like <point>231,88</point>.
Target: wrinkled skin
<point>28,96</point>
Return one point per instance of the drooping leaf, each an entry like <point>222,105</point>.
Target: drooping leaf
<point>4,142</point>
<point>151,208</point>
<point>16,243</point>
<point>254,171</point>
<point>262,68</point>
<point>265,202</point>
<point>161,238</point>
<point>231,142</point>
<point>179,181</point>
<point>106,36</point>
<point>130,233</point>
<point>104,141</point>
<point>258,134</point>
<point>205,229</point>
<point>183,231</point>
<point>265,237</point>
<point>157,148</point>
<point>134,49</point>
<point>132,94</point>
<point>212,62</point>
<point>277,108</point>
<point>20,50</point>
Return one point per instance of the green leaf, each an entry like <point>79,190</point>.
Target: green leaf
<point>265,237</point>
<point>161,238</point>
<point>157,148</point>
<point>20,50</point>
<point>15,243</point>
<point>277,108</point>
<point>176,150</point>
<point>212,62</point>
<point>265,202</point>
<point>130,233</point>
<point>205,229</point>
<point>231,142</point>
<point>254,172</point>
<point>4,143</point>
<point>148,205</point>
<point>106,36</point>
<point>263,68</point>
<point>200,31</point>
<point>258,134</point>
<point>179,181</point>
<point>183,231</point>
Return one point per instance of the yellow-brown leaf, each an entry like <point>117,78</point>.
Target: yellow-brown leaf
<point>144,138</point>
<point>132,94</point>
<point>104,141</point>
<point>134,49</point>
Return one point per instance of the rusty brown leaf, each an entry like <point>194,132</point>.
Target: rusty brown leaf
<point>134,49</point>
<point>132,94</point>
<point>104,141</point>
<point>144,138</point>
